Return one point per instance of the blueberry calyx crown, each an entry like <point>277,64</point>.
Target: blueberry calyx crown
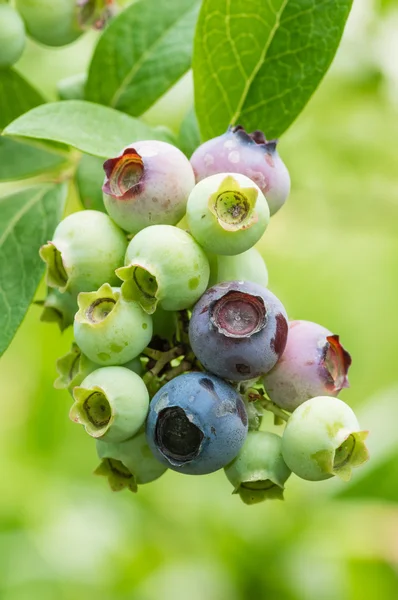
<point>336,360</point>
<point>123,174</point>
<point>177,437</point>
<point>256,138</point>
<point>234,205</point>
<point>238,314</point>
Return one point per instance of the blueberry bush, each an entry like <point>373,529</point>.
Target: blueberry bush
<point>180,348</point>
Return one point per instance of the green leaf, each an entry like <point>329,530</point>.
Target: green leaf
<point>16,96</point>
<point>18,160</point>
<point>89,179</point>
<point>257,63</point>
<point>189,134</point>
<point>142,53</point>
<point>27,220</point>
<point>89,127</point>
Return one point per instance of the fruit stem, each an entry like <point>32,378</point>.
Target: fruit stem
<point>253,394</point>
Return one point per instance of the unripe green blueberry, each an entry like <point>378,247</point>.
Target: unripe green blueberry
<point>109,329</point>
<point>86,249</point>
<point>58,308</point>
<point>259,471</point>
<point>165,266</point>
<point>323,438</point>
<point>51,22</point>
<point>74,366</point>
<point>164,324</point>
<point>112,403</point>
<point>227,213</point>
<point>248,266</point>
<point>12,36</point>
<point>129,463</point>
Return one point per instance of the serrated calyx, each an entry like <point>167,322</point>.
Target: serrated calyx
<point>123,174</point>
<point>94,307</point>
<point>233,205</point>
<point>140,284</point>
<point>350,452</point>
<point>118,475</point>
<point>92,410</point>
<point>56,275</point>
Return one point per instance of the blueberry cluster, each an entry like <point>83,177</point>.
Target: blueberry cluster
<point>180,346</point>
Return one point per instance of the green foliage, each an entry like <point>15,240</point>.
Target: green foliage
<point>89,180</point>
<point>28,219</point>
<point>19,160</point>
<point>89,127</point>
<point>16,96</point>
<point>257,63</point>
<point>189,135</point>
<point>142,54</point>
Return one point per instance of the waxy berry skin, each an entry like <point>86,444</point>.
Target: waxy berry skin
<point>197,424</point>
<point>112,404</point>
<point>12,36</point>
<point>323,438</point>
<point>238,330</point>
<point>51,22</point>
<point>110,330</point>
<point>259,471</point>
<point>314,363</point>
<point>247,153</point>
<point>85,250</point>
<point>147,184</point>
<point>165,267</point>
<point>248,266</point>
<point>227,213</point>
<point>135,455</point>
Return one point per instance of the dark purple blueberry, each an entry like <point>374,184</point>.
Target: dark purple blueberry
<point>196,424</point>
<point>314,363</point>
<point>238,330</point>
<point>249,154</point>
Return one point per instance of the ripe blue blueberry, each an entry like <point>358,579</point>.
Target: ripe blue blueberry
<point>196,424</point>
<point>247,153</point>
<point>147,184</point>
<point>259,471</point>
<point>314,363</point>
<point>227,213</point>
<point>238,330</point>
<point>323,438</point>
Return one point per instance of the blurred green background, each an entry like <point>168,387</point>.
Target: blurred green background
<point>332,254</point>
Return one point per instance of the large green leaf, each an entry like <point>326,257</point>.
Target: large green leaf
<point>89,127</point>
<point>142,53</point>
<point>16,96</point>
<point>18,160</point>
<point>27,220</point>
<point>257,62</point>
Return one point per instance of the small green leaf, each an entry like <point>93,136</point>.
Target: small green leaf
<point>27,220</point>
<point>89,127</point>
<point>189,135</point>
<point>18,160</point>
<point>142,53</point>
<point>89,179</point>
<point>257,63</point>
<point>16,96</point>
